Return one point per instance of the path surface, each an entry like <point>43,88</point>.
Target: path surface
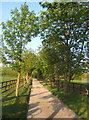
<point>43,104</point>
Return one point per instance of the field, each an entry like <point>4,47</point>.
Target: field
<point>15,107</point>
<point>80,81</point>
<point>77,102</point>
<point>6,78</point>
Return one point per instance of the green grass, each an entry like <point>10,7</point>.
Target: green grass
<point>78,81</point>
<point>15,107</point>
<point>78,103</point>
<point>6,78</point>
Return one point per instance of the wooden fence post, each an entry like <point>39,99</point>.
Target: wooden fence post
<point>88,91</point>
<point>80,89</point>
<point>5,86</point>
<point>73,87</point>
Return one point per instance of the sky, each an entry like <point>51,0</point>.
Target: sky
<point>7,5</point>
<point>5,8</point>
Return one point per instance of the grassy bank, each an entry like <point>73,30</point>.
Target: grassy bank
<point>78,103</point>
<point>15,107</point>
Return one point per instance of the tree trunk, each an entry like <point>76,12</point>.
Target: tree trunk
<point>24,80</point>
<point>27,77</point>
<point>46,81</point>
<point>51,82</point>
<point>66,87</point>
<point>17,85</point>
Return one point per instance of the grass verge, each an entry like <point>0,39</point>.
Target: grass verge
<point>15,107</point>
<point>78,103</point>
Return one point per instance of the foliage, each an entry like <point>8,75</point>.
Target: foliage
<point>17,32</point>
<point>64,30</point>
<point>47,63</point>
<point>29,61</point>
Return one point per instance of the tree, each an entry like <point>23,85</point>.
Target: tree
<point>48,57</point>
<point>17,32</point>
<point>28,64</point>
<point>66,25</point>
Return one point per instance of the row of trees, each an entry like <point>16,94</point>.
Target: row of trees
<point>63,27</point>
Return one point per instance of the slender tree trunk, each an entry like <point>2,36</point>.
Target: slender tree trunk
<point>66,76</point>
<point>53,76</point>
<point>51,82</point>
<point>27,77</point>
<point>17,85</point>
<point>46,81</point>
<point>24,80</point>
<point>66,86</point>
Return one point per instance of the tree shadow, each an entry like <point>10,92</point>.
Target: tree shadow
<point>32,109</point>
<point>8,94</point>
<point>56,104</point>
<point>11,111</point>
<point>39,93</point>
<point>72,101</point>
<point>15,107</point>
<point>48,96</point>
<point>77,103</point>
<point>56,110</point>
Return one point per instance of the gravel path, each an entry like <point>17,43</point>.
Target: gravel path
<point>43,104</point>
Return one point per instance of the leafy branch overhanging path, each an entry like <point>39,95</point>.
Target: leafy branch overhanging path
<point>42,104</point>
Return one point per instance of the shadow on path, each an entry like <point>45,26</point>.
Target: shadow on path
<point>38,94</point>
